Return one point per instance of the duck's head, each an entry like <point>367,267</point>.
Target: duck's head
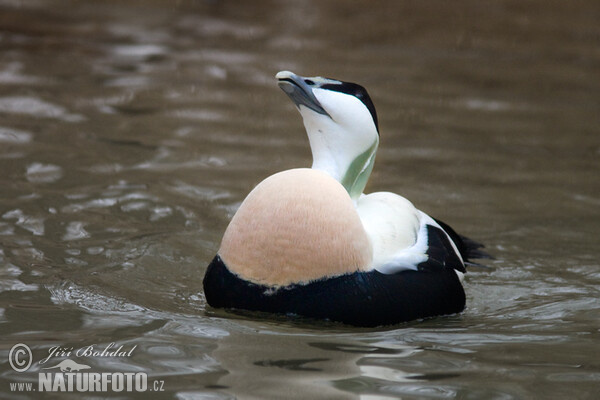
<point>341,123</point>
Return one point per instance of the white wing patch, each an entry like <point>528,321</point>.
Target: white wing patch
<point>408,258</point>
<point>397,230</point>
<point>394,226</point>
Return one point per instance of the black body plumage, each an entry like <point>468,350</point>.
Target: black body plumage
<point>366,298</point>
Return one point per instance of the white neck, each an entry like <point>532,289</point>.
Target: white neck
<point>345,156</point>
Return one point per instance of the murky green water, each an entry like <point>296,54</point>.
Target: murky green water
<point>130,133</point>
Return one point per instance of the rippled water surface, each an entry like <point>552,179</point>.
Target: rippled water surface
<point>131,131</point>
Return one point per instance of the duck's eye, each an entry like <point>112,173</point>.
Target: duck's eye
<point>309,82</point>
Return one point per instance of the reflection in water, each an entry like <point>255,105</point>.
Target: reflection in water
<point>262,364</point>
<point>129,136</point>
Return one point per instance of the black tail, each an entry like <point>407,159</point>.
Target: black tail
<point>468,248</point>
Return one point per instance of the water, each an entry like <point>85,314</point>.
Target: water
<point>130,133</point>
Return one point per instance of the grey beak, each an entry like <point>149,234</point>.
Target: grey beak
<point>299,91</point>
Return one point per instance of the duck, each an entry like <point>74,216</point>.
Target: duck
<point>308,242</point>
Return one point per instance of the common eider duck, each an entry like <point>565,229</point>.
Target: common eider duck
<point>308,241</point>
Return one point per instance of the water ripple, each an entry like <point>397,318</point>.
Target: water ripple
<point>43,173</point>
<point>11,74</point>
<point>14,136</point>
<point>33,224</point>
<point>138,50</point>
<point>9,281</point>
<point>75,231</point>
<point>71,293</point>
<point>37,108</point>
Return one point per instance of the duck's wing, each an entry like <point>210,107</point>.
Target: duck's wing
<point>405,238</point>
<point>433,250</point>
